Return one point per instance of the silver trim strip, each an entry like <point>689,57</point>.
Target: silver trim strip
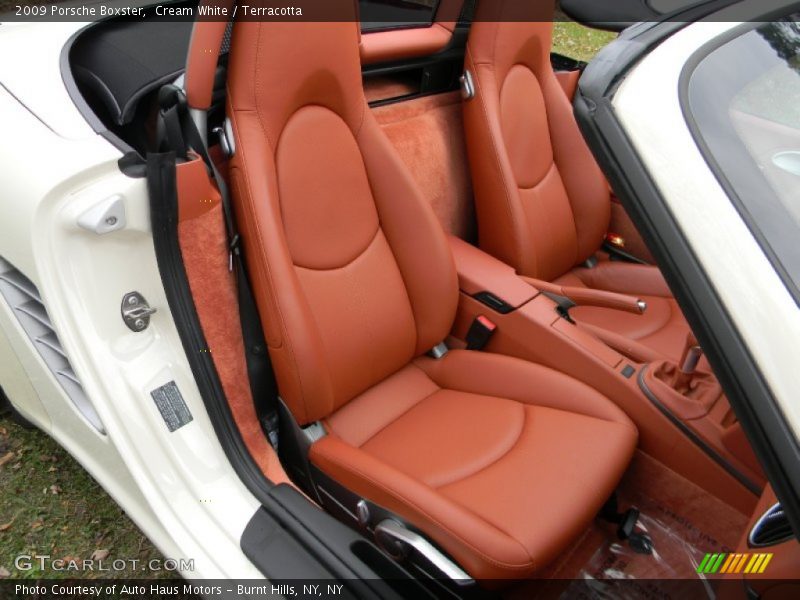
<point>774,512</point>
<point>399,533</point>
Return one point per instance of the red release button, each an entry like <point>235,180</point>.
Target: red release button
<point>486,323</point>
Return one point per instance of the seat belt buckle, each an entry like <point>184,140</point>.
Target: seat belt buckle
<point>480,332</point>
<point>270,423</point>
<point>615,240</point>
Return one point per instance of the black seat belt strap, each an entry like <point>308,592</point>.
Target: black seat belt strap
<point>259,367</point>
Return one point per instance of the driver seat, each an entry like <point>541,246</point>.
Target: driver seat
<point>542,202</point>
<point>499,462</point>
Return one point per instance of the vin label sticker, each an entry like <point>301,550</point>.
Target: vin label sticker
<point>171,405</point>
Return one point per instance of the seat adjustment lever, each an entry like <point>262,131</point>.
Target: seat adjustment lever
<point>400,543</point>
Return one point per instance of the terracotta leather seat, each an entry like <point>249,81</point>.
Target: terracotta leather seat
<point>543,205</point>
<point>500,462</point>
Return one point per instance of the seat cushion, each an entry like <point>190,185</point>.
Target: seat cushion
<point>501,462</point>
<point>657,334</point>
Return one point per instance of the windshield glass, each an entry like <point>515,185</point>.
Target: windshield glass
<point>744,98</point>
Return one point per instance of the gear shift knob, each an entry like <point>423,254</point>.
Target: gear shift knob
<point>692,353</point>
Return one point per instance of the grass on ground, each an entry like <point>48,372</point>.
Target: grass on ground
<point>576,41</point>
<point>49,505</point>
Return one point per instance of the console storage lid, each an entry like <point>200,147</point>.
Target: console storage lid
<point>480,273</point>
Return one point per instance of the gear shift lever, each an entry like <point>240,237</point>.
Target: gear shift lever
<point>691,357</point>
<point>685,391</point>
<point>692,354</point>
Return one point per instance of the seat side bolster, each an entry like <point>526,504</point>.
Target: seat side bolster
<point>583,180</point>
<point>416,238</point>
<point>289,327</point>
<point>497,202</point>
<point>483,550</point>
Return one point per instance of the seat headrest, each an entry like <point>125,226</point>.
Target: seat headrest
<point>276,68</point>
<point>520,21</point>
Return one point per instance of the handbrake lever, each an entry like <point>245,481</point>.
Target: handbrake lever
<point>591,297</point>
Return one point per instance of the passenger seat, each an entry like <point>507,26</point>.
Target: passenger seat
<point>542,203</point>
<point>499,462</point>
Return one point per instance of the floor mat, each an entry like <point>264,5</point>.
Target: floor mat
<point>673,558</point>
<point>696,516</point>
<point>684,523</point>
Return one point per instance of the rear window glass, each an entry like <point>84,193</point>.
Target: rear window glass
<point>377,15</point>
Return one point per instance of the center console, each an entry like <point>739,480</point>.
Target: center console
<point>668,402</point>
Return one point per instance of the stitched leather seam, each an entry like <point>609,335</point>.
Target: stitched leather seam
<point>389,243</point>
<point>526,403</point>
<point>398,417</point>
<point>553,164</point>
<point>511,447</point>
<point>493,463</point>
<point>374,235</point>
<point>361,120</point>
<point>360,254</point>
<point>549,71</point>
<point>550,169</point>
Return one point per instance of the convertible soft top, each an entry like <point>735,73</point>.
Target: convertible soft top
<point>119,63</point>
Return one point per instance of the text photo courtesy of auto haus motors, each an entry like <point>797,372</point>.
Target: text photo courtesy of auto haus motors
<point>400,299</point>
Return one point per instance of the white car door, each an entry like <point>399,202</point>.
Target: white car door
<point>697,126</point>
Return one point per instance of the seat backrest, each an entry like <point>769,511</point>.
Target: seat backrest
<point>542,203</point>
<point>352,272</point>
